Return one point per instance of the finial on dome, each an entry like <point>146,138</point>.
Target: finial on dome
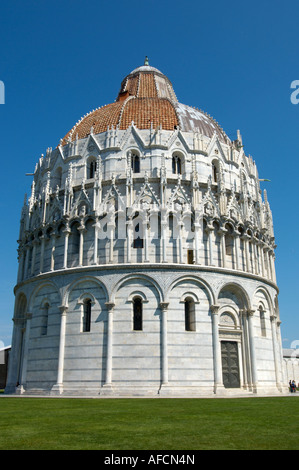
<point>146,60</point>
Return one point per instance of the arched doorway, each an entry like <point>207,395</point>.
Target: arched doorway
<point>230,335</point>
<point>230,364</point>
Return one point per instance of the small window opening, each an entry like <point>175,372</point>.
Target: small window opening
<point>74,243</point>
<point>176,165</point>
<point>214,173</point>
<point>86,315</point>
<point>138,241</point>
<point>135,163</point>
<point>44,322</point>
<point>190,315</point>
<point>229,244</point>
<point>262,321</point>
<point>92,169</point>
<point>190,256</point>
<point>137,314</point>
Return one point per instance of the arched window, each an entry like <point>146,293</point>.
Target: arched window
<point>21,304</point>
<point>176,165</point>
<point>86,315</point>
<point>44,320</point>
<point>170,224</point>
<point>74,239</point>
<point>137,314</point>
<point>57,177</point>
<point>262,321</point>
<point>229,240</point>
<point>92,168</point>
<point>138,241</point>
<point>138,231</point>
<point>214,173</point>
<point>135,163</point>
<point>190,256</point>
<point>190,324</point>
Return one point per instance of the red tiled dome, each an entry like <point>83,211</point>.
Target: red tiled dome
<point>147,98</point>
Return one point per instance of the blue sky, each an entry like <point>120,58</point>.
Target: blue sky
<point>235,60</point>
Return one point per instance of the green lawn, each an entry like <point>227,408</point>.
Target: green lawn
<point>149,424</point>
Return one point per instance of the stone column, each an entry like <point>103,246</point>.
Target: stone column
<point>196,242</point>
<point>180,243</point>
<point>270,264</point>
<point>272,261</point>
<point>111,227</point>
<point>27,248</point>
<point>164,341</point>
<point>245,238</point>
<point>33,257</point>
<point>266,260</point>
<point>66,232</point>
<point>275,351</point>
<point>58,387</point>
<point>15,359</point>
<point>245,350</point>
<point>81,230</point>
<point>218,380</point>
<point>42,253</point>
<point>53,238</point>
<point>254,246</point>
<point>129,239</point>
<point>164,226</point>
<point>25,352</point>
<point>209,229</point>
<point>108,378</point>
<point>236,235</point>
<point>252,350</point>
<point>281,360</point>
<point>261,253</point>
<point>222,232</point>
<point>95,251</point>
<point>145,237</point>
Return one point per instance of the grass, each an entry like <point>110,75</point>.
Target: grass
<point>155,424</point>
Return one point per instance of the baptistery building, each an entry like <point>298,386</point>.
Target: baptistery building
<point>146,258</point>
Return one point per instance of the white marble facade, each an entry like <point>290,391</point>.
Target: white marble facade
<point>144,256</point>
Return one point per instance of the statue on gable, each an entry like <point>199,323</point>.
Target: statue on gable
<point>82,210</point>
<point>209,209</point>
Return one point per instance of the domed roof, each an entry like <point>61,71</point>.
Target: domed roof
<point>147,98</point>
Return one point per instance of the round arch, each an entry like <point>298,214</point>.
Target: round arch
<point>86,296</point>
<point>137,294</point>
<point>267,296</point>
<point>20,305</point>
<point>201,284</point>
<point>226,312</point>
<point>137,276</point>
<point>38,288</point>
<point>239,291</point>
<point>91,164</point>
<point>189,295</point>
<point>69,288</point>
